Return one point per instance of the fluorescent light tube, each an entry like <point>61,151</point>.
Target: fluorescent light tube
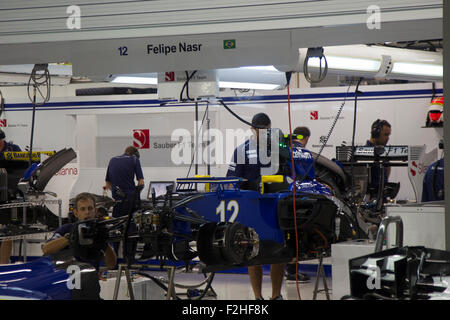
<point>248,85</point>
<point>135,80</point>
<point>347,63</point>
<point>420,69</point>
<point>266,68</point>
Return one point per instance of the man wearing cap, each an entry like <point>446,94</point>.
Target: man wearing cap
<point>246,164</point>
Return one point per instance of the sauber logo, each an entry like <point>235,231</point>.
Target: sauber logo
<point>67,172</point>
<point>418,168</point>
<point>3,123</point>
<point>141,138</point>
<point>314,115</point>
<point>170,76</point>
<point>413,172</point>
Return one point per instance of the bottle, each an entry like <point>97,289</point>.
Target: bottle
<point>337,230</point>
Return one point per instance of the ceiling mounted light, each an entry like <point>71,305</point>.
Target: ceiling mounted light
<point>419,69</point>
<point>135,80</point>
<point>265,68</point>
<point>248,85</point>
<point>347,63</point>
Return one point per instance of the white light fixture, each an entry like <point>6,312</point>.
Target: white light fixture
<point>248,85</point>
<point>420,69</point>
<point>135,80</point>
<point>222,84</point>
<point>346,63</point>
<point>265,68</point>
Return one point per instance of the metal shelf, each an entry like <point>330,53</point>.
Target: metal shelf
<point>28,204</point>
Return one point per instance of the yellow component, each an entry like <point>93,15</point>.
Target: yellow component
<point>270,178</point>
<point>25,155</point>
<point>206,184</point>
<point>298,137</point>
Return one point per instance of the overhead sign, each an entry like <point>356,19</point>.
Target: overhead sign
<point>180,53</point>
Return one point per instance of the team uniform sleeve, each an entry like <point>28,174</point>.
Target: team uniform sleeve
<point>234,168</point>
<point>138,170</point>
<point>303,161</point>
<point>60,232</point>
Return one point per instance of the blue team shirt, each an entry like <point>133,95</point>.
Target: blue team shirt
<point>10,147</point>
<point>436,193</point>
<point>67,252</point>
<point>246,162</point>
<point>121,171</point>
<point>303,160</point>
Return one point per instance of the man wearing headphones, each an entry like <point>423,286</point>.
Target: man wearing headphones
<point>379,136</point>
<point>299,142</point>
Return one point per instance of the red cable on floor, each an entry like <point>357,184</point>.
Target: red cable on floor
<point>293,193</point>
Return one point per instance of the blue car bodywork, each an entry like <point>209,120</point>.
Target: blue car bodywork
<point>36,280</point>
<point>230,227</point>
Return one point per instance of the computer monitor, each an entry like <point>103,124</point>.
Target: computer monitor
<point>160,188</point>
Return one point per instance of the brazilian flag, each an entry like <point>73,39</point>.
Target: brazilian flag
<point>229,44</point>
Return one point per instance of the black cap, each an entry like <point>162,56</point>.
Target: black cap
<point>261,120</point>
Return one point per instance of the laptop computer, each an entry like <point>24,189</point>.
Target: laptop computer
<point>160,188</point>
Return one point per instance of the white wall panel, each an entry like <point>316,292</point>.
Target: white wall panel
<point>404,106</point>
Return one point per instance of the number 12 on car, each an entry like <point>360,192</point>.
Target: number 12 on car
<point>232,207</point>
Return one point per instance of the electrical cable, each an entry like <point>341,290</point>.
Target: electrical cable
<point>433,88</point>
<point>239,118</point>
<point>186,86</point>
<point>38,80</point>
<point>2,103</point>
<point>352,158</point>
<point>198,131</point>
<point>288,79</point>
<point>315,53</point>
<point>328,135</point>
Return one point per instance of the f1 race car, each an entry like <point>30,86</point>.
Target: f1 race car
<point>223,227</point>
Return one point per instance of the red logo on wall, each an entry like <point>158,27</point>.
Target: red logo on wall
<point>2,122</point>
<point>141,138</point>
<point>413,172</point>
<point>314,115</point>
<point>170,76</point>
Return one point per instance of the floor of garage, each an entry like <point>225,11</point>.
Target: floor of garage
<point>225,286</point>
